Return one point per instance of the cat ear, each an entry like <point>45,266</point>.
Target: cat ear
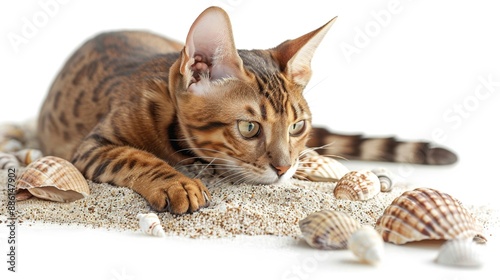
<point>210,53</point>
<point>294,56</point>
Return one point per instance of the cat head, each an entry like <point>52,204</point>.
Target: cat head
<point>243,110</point>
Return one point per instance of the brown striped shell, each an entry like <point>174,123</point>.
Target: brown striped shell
<point>357,185</point>
<point>328,229</point>
<point>317,168</point>
<point>8,160</point>
<point>53,178</point>
<point>426,214</point>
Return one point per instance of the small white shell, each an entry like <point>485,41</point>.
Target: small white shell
<point>328,229</point>
<point>28,156</point>
<point>385,177</point>
<point>54,179</point>
<point>150,224</point>
<point>367,244</point>
<point>357,185</point>
<point>461,252</point>
<point>317,168</point>
<point>8,161</point>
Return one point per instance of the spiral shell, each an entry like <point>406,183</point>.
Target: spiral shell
<point>357,185</point>
<point>426,214</point>
<point>8,160</point>
<point>54,179</point>
<point>460,252</point>
<point>367,244</point>
<point>328,229</point>
<point>385,177</point>
<point>317,168</point>
<point>150,224</point>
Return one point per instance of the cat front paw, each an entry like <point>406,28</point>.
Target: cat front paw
<point>179,195</point>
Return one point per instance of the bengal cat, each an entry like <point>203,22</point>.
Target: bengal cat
<point>128,106</point>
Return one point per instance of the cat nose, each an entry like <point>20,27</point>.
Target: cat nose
<point>280,170</point>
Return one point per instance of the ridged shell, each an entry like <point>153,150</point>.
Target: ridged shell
<point>317,168</point>
<point>328,229</point>
<point>461,252</point>
<point>150,224</point>
<point>357,185</point>
<point>28,156</point>
<point>385,177</point>
<point>367,244</point>
<point>426,214</point>
<point>8,161</point>
<point>55,179</point>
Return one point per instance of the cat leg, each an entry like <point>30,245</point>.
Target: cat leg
<point>165,188</point>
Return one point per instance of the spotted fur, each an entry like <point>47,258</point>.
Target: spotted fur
<point>129,106</point>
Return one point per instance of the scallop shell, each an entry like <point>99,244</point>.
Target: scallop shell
<point>150,224</point>
<point>357,185</point>
<point>55,179</point>
<point>367,244</point>
<point>8,161</point>
<point>385,177</point>
<point>460,252</point>
<point>317,168</point>
<point>27,156</point>
<point>427,214</point>
<point>328,229</point>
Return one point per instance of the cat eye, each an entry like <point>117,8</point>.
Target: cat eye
<point>248,129</point>
<point>297,128</point>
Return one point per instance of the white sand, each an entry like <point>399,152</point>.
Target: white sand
<point>235,209</point>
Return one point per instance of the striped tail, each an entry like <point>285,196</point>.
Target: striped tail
<point>389,149</point>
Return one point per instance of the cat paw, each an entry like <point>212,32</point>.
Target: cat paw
<point>179,195</point>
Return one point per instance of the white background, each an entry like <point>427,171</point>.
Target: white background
<point>415,71</point>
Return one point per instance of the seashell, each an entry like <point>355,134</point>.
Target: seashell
<point>12,131</point>
<point>8,161</point>
<point>27,156</point>
<point>318,168</point>
<point>385,177</point>
<point>427,214</point>
<point>367,244</point>
<point>55,179</point>
<point>328,229</point>
<point>10,145</point>
<point>150,224</point>
<point>460,252</point>
<point>357,185</point>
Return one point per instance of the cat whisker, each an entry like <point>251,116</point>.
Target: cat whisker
<point>301,177</point>
<point>310,88</point>
<point>312,149</point>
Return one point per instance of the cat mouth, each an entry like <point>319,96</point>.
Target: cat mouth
<point>269,177</point>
